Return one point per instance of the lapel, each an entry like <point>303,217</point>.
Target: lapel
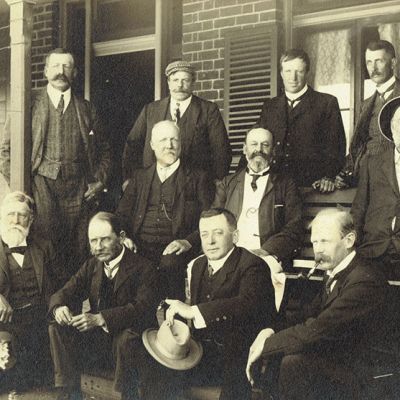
<point>396,91</point>
<point>229,268</point>
<point>3,259</point>
<point>182,179</point>
<point>37,258</point>
<point>269,186</point>
<point>124,270</point>
<point>146,183</point>
<point>341,279</point>
<point>161,109</point>
<point>281,117</point>
<point>240,187</point>
<point>82,116</point>
<point>389,171</point>
<point>41,116</point>
<point>305,105</point>
<point>198,269</point>
<point>192,116</point>
<point>96,281</point>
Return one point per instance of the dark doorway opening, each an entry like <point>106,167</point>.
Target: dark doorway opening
<point>121,85</point>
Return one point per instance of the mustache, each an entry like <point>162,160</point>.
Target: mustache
<point>258,154</point>
<point>321,259</point>
<point>62,76</point>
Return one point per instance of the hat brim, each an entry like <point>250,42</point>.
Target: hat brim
<point>385,117</point>
<point>193,358</point>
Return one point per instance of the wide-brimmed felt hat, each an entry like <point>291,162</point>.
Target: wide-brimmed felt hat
<point>386,115</point>
<point>172,346</point>
<point>179,66</point>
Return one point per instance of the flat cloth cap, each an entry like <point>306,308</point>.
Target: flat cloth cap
<point>179,66</point>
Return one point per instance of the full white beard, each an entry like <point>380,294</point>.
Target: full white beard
<point>13,235</point>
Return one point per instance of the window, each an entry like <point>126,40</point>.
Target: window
<point>251,63</point>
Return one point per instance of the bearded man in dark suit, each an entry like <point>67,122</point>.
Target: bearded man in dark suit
<point>27,272</point>
<point>321,354</point>
<point>205,143</point>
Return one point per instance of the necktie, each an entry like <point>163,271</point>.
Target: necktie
<point>18,249</point>
<point>109,270</point>
<point>255,178</point>
<point>177,113</point>
<point>293,101</point>
<point>60,107</point>
<point>328,284</point>
<point>382,95</point>
<point>210,271</point>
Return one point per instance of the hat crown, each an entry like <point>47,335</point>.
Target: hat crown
<point>173,341</point>
<point>179,66</point>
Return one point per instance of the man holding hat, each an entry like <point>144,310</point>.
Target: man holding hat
<point>376,207</point>
<point>231,296</point>
<point>205,143</point>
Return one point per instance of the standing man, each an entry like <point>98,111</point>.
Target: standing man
<point>310,142</point>
<point>27,272</point>
<point>122,291</point>
<point>231,295</point>
<point>320,354</point>
<point>266,204</point>
<point>380,60</point>
<point>161,206</point>
<point>70,161</point>
<point>205,143</point>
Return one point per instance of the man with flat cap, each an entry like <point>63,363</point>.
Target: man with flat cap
<point>205,143</point>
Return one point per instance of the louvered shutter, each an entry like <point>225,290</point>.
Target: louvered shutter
<point>250,77</point>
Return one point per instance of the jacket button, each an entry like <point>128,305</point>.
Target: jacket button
<point>278,143</point>
<point>224,317</point>
<point>217,319</point>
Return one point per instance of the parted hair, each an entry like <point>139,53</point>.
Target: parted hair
<point>58,50</point>
<point>291,54</point>
<point>382,45</point>
<point>213,212</point>
<point>113,220</point>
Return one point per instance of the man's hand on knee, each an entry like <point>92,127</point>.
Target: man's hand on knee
<point>6,310</point>
<point>178,247</point>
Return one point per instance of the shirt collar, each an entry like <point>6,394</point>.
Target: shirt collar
<point>396,156</point>
<point>251,172</point>
<point>115,261</point>
<point>342,265</point>
<point>218,264</point>
<point>183,105</point>
<point>294,96</point>
<point>22,244</point>
<point>166,172</point>
<point>382,88</point>
<point>55,96</point>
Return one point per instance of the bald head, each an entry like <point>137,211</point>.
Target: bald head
<point>166,142</point>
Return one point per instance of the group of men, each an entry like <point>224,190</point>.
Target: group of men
<point>178,202</point>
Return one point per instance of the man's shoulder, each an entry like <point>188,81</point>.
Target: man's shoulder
<point>203,102</point>
<point>364,270</point>
<point>135,261</point>
<point>320,97</point>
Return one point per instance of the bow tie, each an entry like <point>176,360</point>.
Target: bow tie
<point>18,249</point>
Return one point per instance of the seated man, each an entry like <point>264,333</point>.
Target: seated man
<point>122,291</point>
<point>162,204</point>
<point>267,205</point>
<point>320,354</point>
<point>231,296</point>
<point>27,269</point>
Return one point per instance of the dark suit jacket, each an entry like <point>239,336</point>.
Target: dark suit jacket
<point>361,132</point>
<point>376,202</point>
<point>205,143</point>
<point>44,264</point>
<point>95,143</point>
<point>317,133</point>
<point>244,297</point>
<point>192,195</point>
<point>342,324</point>
<point>135,293</point>
<point>280,211</point>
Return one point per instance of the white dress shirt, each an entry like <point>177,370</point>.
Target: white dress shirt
<point>112,267</point>
<point>55,96</point>
<point>19,258</point>
<point>383,88</point>
<point>295,96</point>
<point>340,267</point>
<point>165,172</point>
<point>183,105</point>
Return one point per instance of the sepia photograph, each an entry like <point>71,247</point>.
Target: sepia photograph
<point>199,199</point>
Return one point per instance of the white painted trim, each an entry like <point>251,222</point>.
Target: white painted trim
<point>373,10</point>
<point>128,45</point>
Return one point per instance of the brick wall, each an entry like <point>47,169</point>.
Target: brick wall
<point>44,37</point>
<point>205,24</point>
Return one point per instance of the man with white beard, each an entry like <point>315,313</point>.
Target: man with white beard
<point>26,266</point>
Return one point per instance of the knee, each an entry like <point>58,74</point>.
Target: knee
<point>291,365</point>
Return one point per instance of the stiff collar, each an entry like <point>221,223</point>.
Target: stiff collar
<point>385,86</point>
<point>342,265</point>
<point>111,267</point>
<point>55,96</point>
<point>261,173</point>
<point>218,264</point>
<point>165,172</point>
<point>183,105</point>
<point>294,96</point>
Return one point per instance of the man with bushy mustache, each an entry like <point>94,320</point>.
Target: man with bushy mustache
<point>161,207</point>
<point>70,161</point>
<point>266,204</point>
<point>27,270</point>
